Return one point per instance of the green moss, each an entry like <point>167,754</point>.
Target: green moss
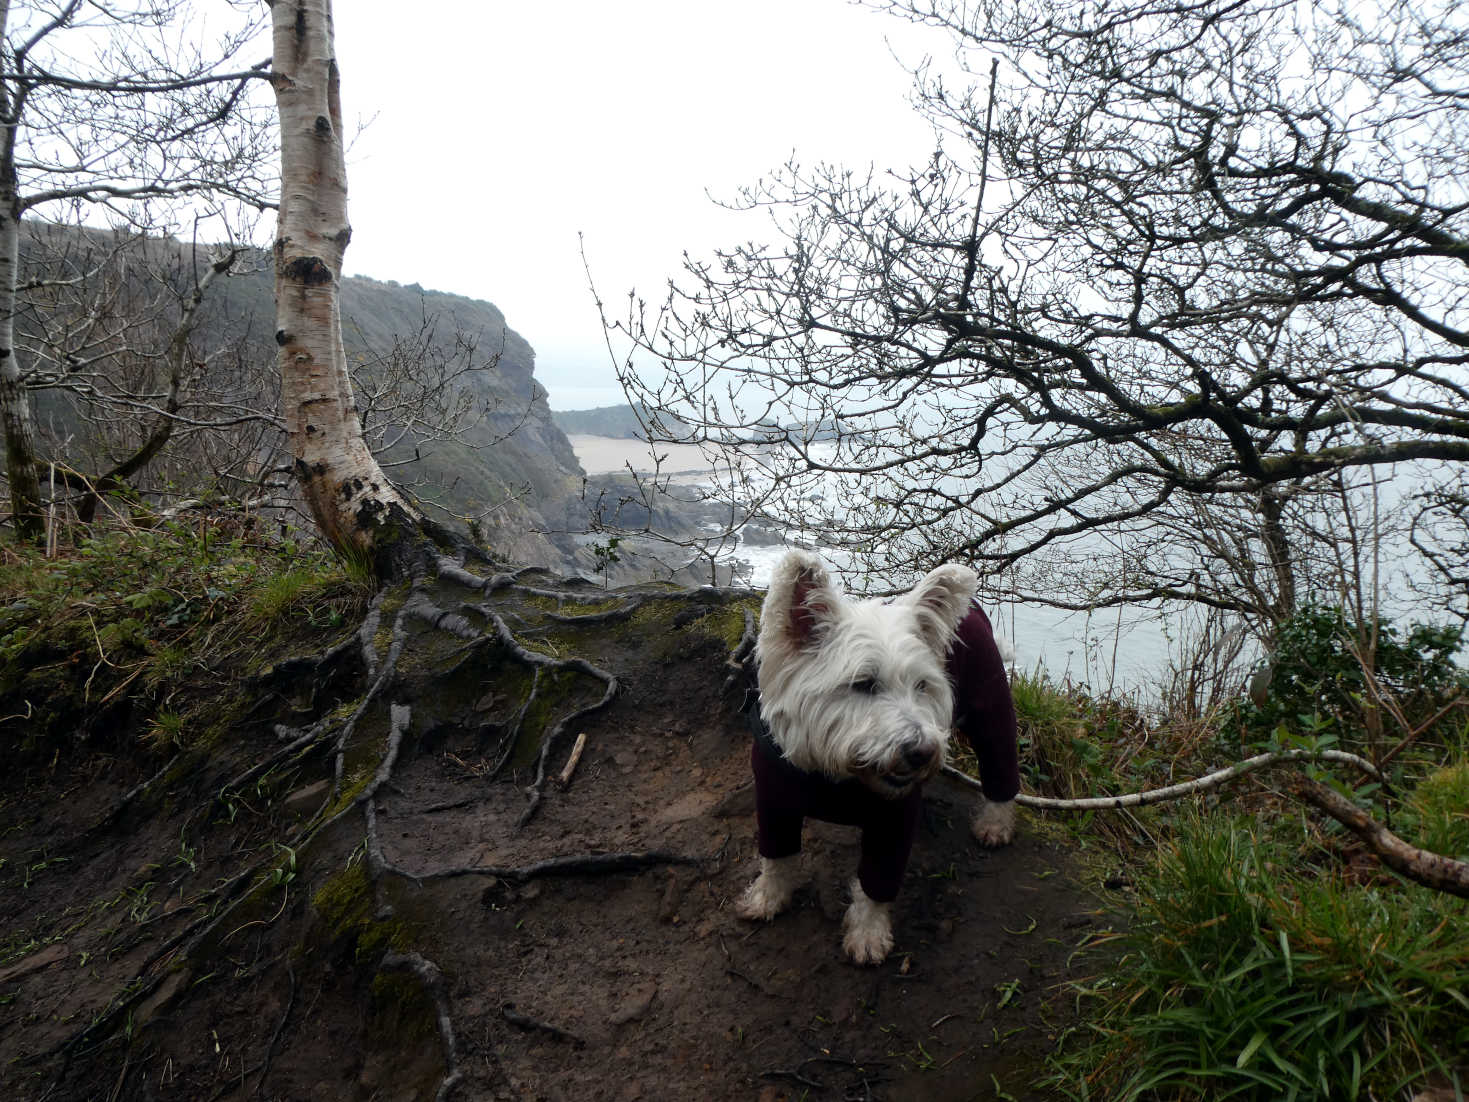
<point>401,1008</point>
<point>727,624</point>
<point>658,612</point>
<point>591,606</point>
<point>388,610</point>
<point>346,909</point>
<point>353,785</point>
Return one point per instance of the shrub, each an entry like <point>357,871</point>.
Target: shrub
<point>1319,687</point>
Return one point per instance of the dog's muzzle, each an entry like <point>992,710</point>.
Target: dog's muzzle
<point>913,762</point>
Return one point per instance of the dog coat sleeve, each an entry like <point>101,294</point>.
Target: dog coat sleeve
<point>984,712</point>
<point>785,795</point>
<point>779,803</point>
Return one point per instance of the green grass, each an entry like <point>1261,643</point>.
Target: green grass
<point>155,616</point>
<point>1263,955</point>
<point>1437,812</point>
<point>1247,973</point>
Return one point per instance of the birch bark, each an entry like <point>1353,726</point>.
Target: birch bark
<point>15,406</point>
<point>357,509</point>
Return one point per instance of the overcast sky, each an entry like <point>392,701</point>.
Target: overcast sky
<point>496,131</point>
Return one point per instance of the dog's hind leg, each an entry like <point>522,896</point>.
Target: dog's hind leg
<point>772,890</point>
<point>867,928</point>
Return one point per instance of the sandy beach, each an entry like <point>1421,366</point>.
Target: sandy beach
<point>603,454</point>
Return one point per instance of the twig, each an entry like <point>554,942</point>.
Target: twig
<point>549,738</point>
<point>1414,732</point>
<point>570,767</point>
<point>526,1022</point>
<point>1185,788</point>
<point>276,1036</point>
<point>794,1076</point>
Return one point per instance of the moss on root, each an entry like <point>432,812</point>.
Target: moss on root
<point>347,913</point>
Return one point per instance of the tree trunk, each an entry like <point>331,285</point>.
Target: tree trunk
<point>357,509</point>
<point>1282,560</point>
<point>15,406</point>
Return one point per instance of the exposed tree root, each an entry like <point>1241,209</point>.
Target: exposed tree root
<point>411,638</point>
<point>582,864</point>
<point>740,661</point>
<point>432,979</point>
<point>276,1036</point>
<point>549,740</point>
<point>526,1022</point>
<point>608,616</point>
<point>1432,870</point>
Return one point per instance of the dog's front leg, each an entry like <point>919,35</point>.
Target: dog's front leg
<point>772,890</point>
<point>994,823</point>
<point>867,928</point>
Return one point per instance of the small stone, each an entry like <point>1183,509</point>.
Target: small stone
<point>635,1004</point>
<point>162,995</point>
<point>35,962</point>
<point>306,802</point>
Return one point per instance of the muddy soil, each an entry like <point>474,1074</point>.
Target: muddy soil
<point>631,984</point>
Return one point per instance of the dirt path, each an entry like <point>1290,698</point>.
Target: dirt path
<point>637,984</point>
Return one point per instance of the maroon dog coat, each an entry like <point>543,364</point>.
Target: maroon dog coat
<point>984,716</point>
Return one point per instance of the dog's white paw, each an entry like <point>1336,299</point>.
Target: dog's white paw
<point>867,929</point>
<point>771,891</point>
<point>994,823</point>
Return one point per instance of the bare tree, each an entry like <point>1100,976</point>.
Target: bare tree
<point>130,395</point>
<point>108,113</point>
<point>1183,262</point>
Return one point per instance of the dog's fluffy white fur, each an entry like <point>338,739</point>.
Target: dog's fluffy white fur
<point>859,689</point>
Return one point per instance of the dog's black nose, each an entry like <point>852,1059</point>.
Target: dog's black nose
<point>918,754</point>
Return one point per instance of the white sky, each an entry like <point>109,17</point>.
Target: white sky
<point>498,130</point>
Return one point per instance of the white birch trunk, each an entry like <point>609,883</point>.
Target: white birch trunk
<point>15,405</point>
<point>356,507</point>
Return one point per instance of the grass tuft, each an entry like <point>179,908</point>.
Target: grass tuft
<point>1247,975</point>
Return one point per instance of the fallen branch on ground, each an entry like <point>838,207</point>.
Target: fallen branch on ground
<point>1205,783</point>
<point>1432,870</point>
<point>571,762</point>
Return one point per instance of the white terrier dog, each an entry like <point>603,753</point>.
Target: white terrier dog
<point>857,700</point>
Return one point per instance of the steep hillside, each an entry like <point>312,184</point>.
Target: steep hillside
<point>271,854</point>
<point>506,464</point>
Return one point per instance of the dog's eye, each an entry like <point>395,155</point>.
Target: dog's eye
<point>921,687</point>
<point>865,685</point>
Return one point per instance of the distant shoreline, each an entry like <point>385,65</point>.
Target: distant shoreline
<point>609,454</point>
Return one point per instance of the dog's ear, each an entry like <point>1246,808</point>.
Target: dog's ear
<point>942,600</point>
<point>801,600</point>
